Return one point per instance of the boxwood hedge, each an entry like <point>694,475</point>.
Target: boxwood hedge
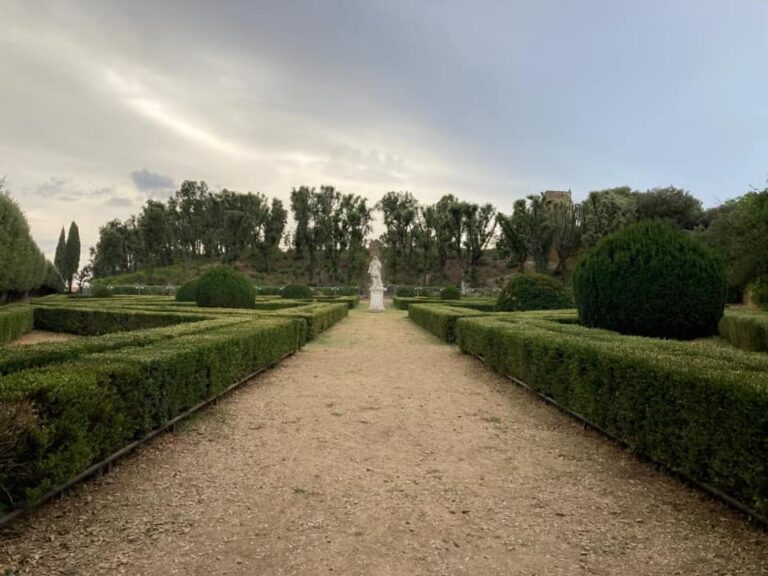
<point>439,319</point>
<point>15,320</point>
<point>745,329</point>
<point>697,408</point>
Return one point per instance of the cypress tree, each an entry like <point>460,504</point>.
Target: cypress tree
<point>59,260</point>
<point>72,254</point>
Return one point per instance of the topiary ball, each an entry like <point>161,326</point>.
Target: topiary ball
<point>187,292</point>
<point>223,287</point>
<point>405,292</point>
<point>450,292</point>
<point>296,291</point>
<point>533,292</point>
<point>650,279</point>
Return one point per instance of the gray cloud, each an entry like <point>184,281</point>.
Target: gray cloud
<point>490,101</point>
<point>147,181</point>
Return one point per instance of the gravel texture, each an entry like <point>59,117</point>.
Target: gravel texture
<point>378,450</point>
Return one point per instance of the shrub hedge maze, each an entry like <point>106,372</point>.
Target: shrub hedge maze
<point>136,363</point>
<point>699,408</point>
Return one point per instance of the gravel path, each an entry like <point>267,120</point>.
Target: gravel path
<point>379,450</point>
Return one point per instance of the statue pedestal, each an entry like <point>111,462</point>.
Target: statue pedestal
<point>377,300</point>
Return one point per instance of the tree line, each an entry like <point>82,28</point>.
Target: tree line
<point>447,241</point>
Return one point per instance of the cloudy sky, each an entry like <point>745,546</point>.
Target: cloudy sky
<point>105,104</point>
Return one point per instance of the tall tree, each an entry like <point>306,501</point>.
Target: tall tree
<point>670,203</point>
<point>606,211</point>
<point>399,210</point>
<point>512,242</point>
<point>72,254</point>
<point>153,228</point>
<point>60,258</point>
<point>480,226</point>
<point>565,218</point>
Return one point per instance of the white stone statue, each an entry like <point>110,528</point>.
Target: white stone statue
<point>377,287</point>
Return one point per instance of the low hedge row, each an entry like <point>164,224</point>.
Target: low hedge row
<point>77,413</point>
<point>15,321</point>
<point>96,321</point>
<point>440,320</point>
<point>745,329</point>
<point>36,355</point>
<point>352,301</point>
<point>319,317</point>
<point>480,304</point>
<point>695,407</point>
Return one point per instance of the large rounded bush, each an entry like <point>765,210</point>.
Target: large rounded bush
<point>187,292</point>
<point>296,291</point>
<point>533,292</point>
<point>224,287</point>
<point>450,292</point>
<point>650,279</point>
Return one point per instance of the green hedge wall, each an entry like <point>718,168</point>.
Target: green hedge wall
<point>36,355</point>
<point>695,407</point>
<point>481,304</point>
<point>87,409</point>
<point>745,329</point>
<point>15,321</point>
<point>97,321</point>
<point>440,320</point>
<point>319,317</point>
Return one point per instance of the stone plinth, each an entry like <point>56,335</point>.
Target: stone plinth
<point>377,300</point>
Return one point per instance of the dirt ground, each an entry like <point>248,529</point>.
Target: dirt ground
<point>38,336</point>
<point>378,450</point>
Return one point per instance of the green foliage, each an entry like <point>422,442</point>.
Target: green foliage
<point>758,291</point>
<point>450,292</point>
<point>651,280</point>
<point>533,292</point>
<point>224,287</point>
<point>695,407</point>
<point>53,282</point>
<point>318,317</point>
<point>22,264</point>
<point>102,292</point>
<point>187,292</point>
<point>405,291</point>
<point>97,321</point>
<point>71,255</point>
<point>87,409</point>
<point>439,319</point>
<point>296,291</point>
<point>607,211</point>
<point>672,204</point>
<point>739,230</point>
<point>15,320</point>
<point>269,290</point>
<point>745,329</point>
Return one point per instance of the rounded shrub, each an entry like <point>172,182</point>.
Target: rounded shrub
<point>187,292</point>
<point>450,292</point>
<point>650,279</point>
<point>223,287</point>
<point>296,291</point>
<point>533,292</point>
<point>405,292</point>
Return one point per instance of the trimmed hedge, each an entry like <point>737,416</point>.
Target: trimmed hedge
<point>481,304</point>
<point>745,329</point>
<point>86,410</point>
<point>319,317</point>
<point>296,292</point>
<point>14,359</point>
<point>450,292</point>
<point>406,292</point>
<point>649,279</point>
<point>440,320</point>
<point>695,407</point>
<point>15,321</point>
<point>224,287</point>
<point>93,322</point>
<point>533,291</point>
<point>352,302</point>
<point>188,292</point>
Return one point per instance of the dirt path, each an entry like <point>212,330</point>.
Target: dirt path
<point>38,336</point>
<point>378,450</point>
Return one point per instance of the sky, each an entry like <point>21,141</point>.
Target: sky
<point>105,104</point>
